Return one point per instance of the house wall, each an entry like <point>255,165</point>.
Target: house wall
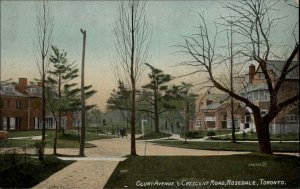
<point>284,128</point>
<point>21,108</point>
<point>24,112</point>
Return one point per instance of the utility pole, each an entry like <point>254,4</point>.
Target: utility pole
<point>1,122</point>
<point>82,136</point>
<point>233,140</point>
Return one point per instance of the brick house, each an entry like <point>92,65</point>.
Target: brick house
<point>257,92</point>
<point>21,107</point>
<point>213,110</point>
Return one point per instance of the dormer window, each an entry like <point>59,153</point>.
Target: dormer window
<point>261,75</point>
<point>33,90</point>
<point>8,89</point>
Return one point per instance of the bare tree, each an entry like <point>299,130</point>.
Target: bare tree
<point>44,29</point>
<point>253,24</point>
<point>132,36</point>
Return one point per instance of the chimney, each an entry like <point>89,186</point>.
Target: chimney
<point>22,84</point>
<point>251,73</point>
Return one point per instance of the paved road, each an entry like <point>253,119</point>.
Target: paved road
<point>94,170</point>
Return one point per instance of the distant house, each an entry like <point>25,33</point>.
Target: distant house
<point>21,107</point>
<point>257,92</point>
<point>214,111</point>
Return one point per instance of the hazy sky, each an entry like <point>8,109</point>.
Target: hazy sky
<point>168,19</point>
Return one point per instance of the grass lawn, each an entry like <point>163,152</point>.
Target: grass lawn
<point>28,133</point>
<point>253,137</point>
<point>68,140</point>
<point>27,174</point>
<point>228,146</point>
<point>255,170</point>
<point>153,135</point>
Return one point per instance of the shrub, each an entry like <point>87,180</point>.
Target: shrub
<point>211,134</point>
<point>40,149</point>
<point>192,134</point>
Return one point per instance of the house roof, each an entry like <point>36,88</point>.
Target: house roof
<point>217,98</point>
<point>213,106</point>
<point>258,87</point>
<point>8,89</point>
<point>277,65</point>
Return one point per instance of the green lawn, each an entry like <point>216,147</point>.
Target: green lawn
<point>253,137</point>
<point>13,133</point>
<point>206,172</point>
<point>153,135</point>
<point>26,174</point>
<point>68,140</point>
<point>228,146</point>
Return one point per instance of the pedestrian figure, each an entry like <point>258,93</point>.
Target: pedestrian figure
<point>122,132</point>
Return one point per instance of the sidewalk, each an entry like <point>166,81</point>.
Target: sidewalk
<point>81,175</point>
<point>94,170</point>
<point>207,139</point>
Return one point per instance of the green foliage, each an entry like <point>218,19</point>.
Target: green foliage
<point>26,174</point>
<point>153,95</point>
<point>153,135</point>
<point>120,98</point>
<point>62,86</point>
<point>40,149</point>
<point>158,79</point>
<point>193,134</point>
<point>211,134</point>
<point>228,146</point>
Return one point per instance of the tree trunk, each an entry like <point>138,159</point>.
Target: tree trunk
<point>55,140</point>
<point>43,102</point>
<point>82,136</point>
<point>59,105</point>
<point>156,114</point>
<point>132,77</point>
<point>133,149</point>
<point>262,129</point>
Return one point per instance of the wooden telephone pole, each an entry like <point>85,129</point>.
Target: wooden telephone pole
<point>82,135</point>
<point>233,140</point>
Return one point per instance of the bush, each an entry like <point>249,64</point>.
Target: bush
<point>211,134</point>
<point>193,134</point>
<point>40,149</point>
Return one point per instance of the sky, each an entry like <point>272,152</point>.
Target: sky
<point>169,21</point>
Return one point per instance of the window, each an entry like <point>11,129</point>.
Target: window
<point>8,104</point>
<point>292,118</point>
<point>261,75</point>
<point>8,89</point>
<point>263,112</point>
<point>12,123</point>
<point>236,123</point>
<point>4,122</point>
<point>198,123</point>
<point>33,90</point>
<point>18,122</point>
<point>37,123</point>
<point>247,117</point>
<point>18,104</point>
